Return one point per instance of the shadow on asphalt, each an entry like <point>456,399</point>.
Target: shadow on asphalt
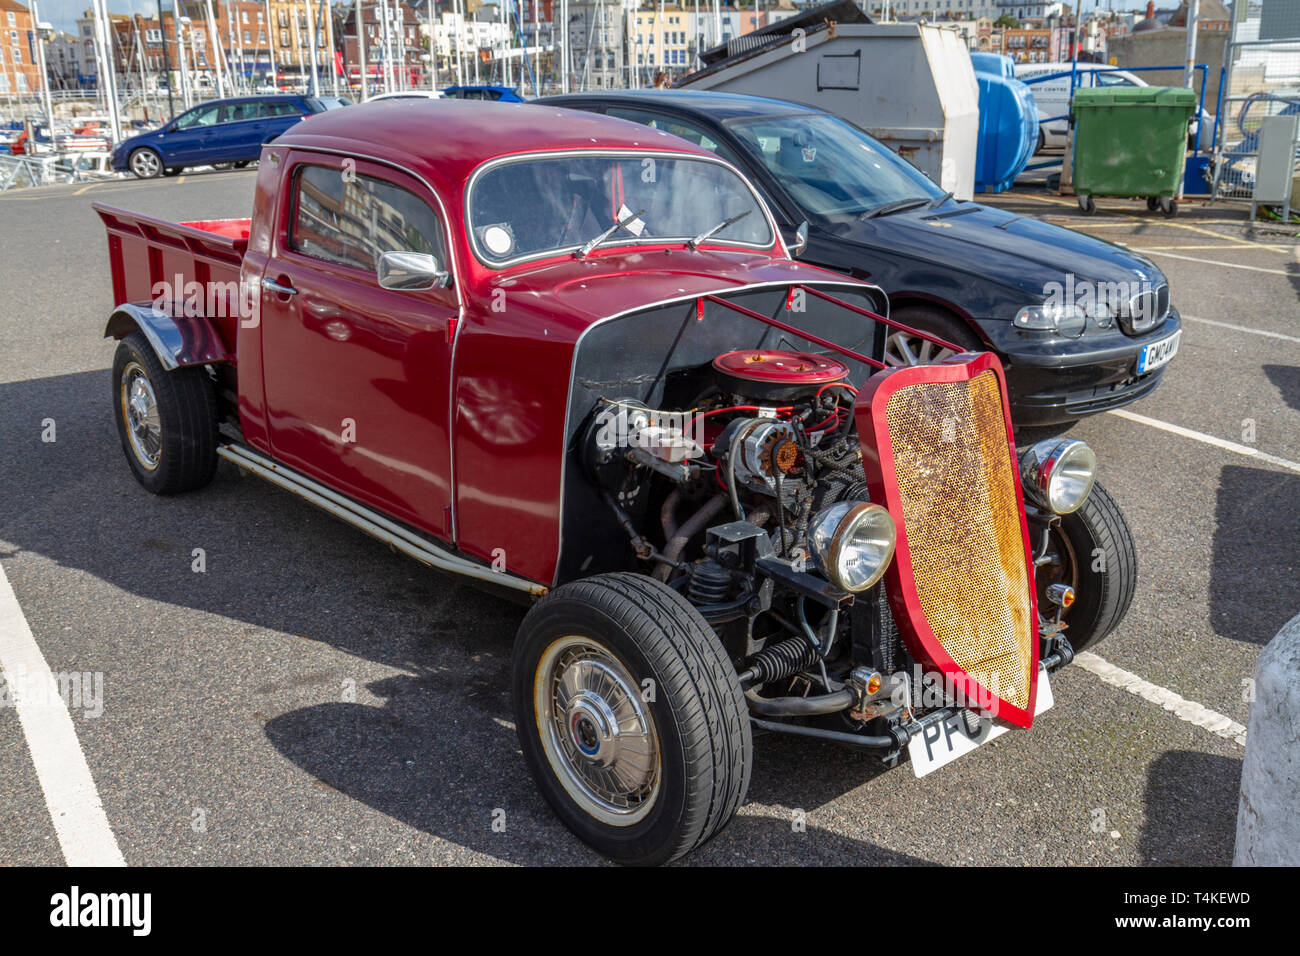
<point>440,753</point>
<point>1256,553</point>
<point>1286,379</point>
<point>1178,831</point>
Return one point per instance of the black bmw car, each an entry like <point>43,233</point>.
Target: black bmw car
<point>1080,324</point>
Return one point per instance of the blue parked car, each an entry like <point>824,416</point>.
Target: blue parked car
<point>221,131</point>
<point>501,94</point>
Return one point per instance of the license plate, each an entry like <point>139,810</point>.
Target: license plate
<point>1158,353</point>
<point>944,742</point>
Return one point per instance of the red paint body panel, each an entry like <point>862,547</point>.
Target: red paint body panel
<point>878,462</point>
<point>144,251</point>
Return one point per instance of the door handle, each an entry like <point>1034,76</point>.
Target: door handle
<point>273,286</point>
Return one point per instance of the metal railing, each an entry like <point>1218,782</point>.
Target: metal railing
<point>1260,78</point>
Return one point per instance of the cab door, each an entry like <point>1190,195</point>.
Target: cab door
<point>357,376</point>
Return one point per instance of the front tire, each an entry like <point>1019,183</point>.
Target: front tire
<point>630,717</point>
<point>144,163</point>
<point>1097,557</point>
<point>167,421</point>
<point>902,349</point>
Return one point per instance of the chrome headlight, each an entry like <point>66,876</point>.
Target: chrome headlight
<point>1068,319</point>
<point>852,542</point>
<point>1058,473</point>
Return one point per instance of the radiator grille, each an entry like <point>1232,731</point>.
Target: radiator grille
<point>957,492</point>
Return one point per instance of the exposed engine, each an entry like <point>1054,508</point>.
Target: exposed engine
<point>738,480</point>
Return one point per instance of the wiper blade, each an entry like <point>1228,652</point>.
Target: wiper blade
<point>939,201</point>
<point>898,205</point>
<point>694,244</point>
<point>593,243</point>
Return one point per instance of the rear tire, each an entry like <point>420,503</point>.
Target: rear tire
<point>167,421</point>
<point>598,646</point>
<point>1099,560</point>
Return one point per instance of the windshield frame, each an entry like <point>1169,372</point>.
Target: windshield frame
<point>734,124</point>
<point>775,243</point>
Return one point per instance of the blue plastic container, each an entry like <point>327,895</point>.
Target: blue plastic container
<point>996,64</point>
<point>1008,132</point>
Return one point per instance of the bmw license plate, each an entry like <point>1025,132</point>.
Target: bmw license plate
<point>944,742</point>
<point>1158,353</point>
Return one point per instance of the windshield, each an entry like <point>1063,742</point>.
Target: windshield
<point>537,206</point>
<point>830,168</point>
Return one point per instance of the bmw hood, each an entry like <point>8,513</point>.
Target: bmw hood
<point>1004,247</point>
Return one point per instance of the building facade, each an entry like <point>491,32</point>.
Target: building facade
<point>18,70</point>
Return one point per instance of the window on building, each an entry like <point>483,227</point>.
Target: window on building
<point>13,20</point>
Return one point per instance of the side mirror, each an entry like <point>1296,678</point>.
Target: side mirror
<point>800,241</point>
<point>410,271</point>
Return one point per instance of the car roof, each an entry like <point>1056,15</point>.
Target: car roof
<point>718,106</point>
<point>444,140</point>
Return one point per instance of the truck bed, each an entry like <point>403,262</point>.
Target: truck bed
<point>144,251</point>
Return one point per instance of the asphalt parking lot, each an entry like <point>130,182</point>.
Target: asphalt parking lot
<point>313,698</point>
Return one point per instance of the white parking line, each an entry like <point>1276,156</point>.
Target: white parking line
<point>1242,328</point>
<point>1208,439</point>
<point>1216,262</point>
<point>78,815</point>
<point>1183,709</point>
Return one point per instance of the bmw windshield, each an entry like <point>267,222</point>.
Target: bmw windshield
<point>832,169</point>
<point>535,205</point>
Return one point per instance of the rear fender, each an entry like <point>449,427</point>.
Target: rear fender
<point>178,341</point>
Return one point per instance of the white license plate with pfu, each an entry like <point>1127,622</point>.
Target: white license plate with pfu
<point>944,742</point>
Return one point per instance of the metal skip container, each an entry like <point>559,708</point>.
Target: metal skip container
<point>909,85</point>
<point>1131,141</point>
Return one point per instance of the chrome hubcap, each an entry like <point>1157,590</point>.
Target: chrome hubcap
<point>145,163</point>
<point>903,350</point>
<point>597,732</point>
<point>140,412</point>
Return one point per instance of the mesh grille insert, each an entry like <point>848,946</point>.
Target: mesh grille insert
<point>957,491</point>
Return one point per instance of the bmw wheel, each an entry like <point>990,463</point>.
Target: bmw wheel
<point>903,348</point>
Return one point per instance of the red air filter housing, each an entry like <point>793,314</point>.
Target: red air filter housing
<point>777,374</point>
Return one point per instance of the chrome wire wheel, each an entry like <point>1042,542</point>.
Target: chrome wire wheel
<point>902,350</point>
<point>597,733</point>
<point>140,413</point>
<point>145,163</point>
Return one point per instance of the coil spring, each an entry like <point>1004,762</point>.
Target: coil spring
<point>710,583</point>
<point>783,660</point>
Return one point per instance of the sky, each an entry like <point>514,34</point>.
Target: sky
<point>63,14</point>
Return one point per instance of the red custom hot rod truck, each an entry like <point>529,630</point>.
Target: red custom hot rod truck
<point>572,359</point>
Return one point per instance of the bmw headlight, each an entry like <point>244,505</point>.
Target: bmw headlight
<point>1058,473</point>
<point>1068,319</point>
<point>852,542</point>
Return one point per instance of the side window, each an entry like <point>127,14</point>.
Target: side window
<point>280,108</point>
<point>1112,79</point>
<point>351,222</point>
<point>677,127</point>
<point>203,116</point>
<point>239,111</point>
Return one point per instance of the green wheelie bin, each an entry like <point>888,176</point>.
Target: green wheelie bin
<point>1131,141</point>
